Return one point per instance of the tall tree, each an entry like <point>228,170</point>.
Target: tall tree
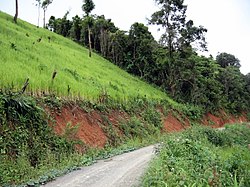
<point>39,2</point>
<point>118,42</point>
<point>172,17</point>
<point>178,37</point>
<point>234,88</point>
<point>15,17</point>
<point>45,5</point>
<point>101,34</point>
<point>87,7</point>
<point>140,46</point>
<point>75,31</point>
<point>64,25</point>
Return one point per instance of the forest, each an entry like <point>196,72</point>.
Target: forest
<point>173,63</point>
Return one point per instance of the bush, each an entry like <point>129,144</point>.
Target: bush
<point>152,117</point>
<point>26,139</point>
<point>134,128</point>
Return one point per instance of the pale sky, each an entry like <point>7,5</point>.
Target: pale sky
<point>227,21</point>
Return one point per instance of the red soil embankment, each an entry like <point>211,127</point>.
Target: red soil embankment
<point>174,124</point>
<point>222,118</point>
<point>91,125</point>
<point>88,131</point>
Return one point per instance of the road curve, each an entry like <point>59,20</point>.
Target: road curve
<point>120,171</point>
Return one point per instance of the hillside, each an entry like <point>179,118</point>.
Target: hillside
<point>35,53</point>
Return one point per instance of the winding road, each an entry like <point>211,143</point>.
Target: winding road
<point>120,171</point>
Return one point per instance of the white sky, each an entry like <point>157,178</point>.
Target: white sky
<point>227,21</point>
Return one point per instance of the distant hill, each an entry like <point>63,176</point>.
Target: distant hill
<point>37,53</point>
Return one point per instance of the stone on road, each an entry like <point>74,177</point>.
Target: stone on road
<point>120,171</point>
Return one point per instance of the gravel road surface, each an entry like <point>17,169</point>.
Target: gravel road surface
<point>120,171</point>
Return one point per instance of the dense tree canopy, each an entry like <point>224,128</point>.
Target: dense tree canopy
<point>178,37</point>
<point>225,60</point>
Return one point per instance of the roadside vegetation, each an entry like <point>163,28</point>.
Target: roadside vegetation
<point>32,154</point>
<point>202,156</point>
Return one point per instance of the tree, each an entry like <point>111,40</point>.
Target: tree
<point>247,78</point>
<point>60,25</point>
<point>140,48</point>
<point>64,25</point>
<point>172,17</point>
<point>192,36</point>
<point>87,7</point>
<point>234,89</point>
<point>117,46</point>
<point>235,84</point>
<point>225,60</point>
<point>178,31</point>
<point>45,5</point>
<point>15,17</point>
<point>101,34</point>
<point>75,31</point>
<point>178,37</point>
<point>38,6</point>
<point>198,84</point>
<point>52,25</point>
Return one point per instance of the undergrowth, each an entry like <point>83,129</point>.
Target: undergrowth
<point>202,156</point>
<point>26,140</point>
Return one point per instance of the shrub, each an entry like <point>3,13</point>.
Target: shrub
<point>152,117</point>
<point>26,139</point>
<point>133,128</point>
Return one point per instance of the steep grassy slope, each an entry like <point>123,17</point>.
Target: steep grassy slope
<point>23,56</point>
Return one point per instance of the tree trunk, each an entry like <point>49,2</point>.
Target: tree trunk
<point>15,17</point>
<point>44,18</point>
<point>38,15</point>
<point>90,49</point>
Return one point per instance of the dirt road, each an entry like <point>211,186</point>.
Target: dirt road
<point>120,171</point>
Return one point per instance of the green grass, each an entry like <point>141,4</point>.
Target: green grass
<point>24,57</point>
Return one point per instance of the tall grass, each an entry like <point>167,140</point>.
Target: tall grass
<point>202,156</point>
<point>22,57</point>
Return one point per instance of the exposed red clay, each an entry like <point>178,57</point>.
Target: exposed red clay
<point>90,124</point>
<point>172,124</point>
<point>221,119</point>
<point>89,130</point>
